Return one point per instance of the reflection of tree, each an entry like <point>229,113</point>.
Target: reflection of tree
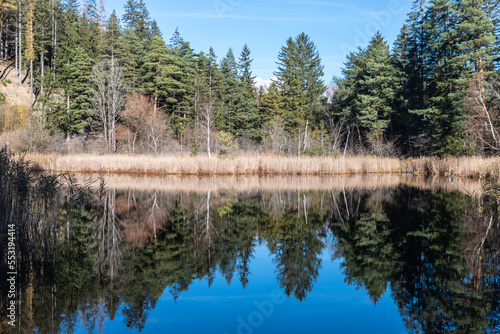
<point>442,267</point>
<point>295,240</point>
<point>109,239</point>
<point>415,244</point>
<point>364,242</point>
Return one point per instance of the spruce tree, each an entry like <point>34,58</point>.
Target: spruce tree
<point>133,59</point>
<point>239,114</point>
<point>78,77</point>
<point>137,17</point>
<point>245,70</point>
<point>300,79</point>
<point>409,57</point>
<point>113,38</point>
<point>176,40</point>
<point>155,30</point>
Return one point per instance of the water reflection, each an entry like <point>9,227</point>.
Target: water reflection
<point>435,251</point>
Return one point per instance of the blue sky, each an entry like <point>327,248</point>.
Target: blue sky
<point>336,27</point>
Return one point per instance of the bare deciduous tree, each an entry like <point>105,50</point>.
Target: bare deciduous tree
<point>208,112</point>
<point>482,103</point>
<point>274,135</point>
<point>150,127</point>
<point>108,98</point>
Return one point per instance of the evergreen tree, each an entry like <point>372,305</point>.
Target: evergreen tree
<point>214,75</point>
<point>245,71</point>
<point>155,30</point>
<point>369,89</point>
<point>409,59</point>
<point>137,17</point>
<point>78,77</point>
<point>239,114</point>
<point>134,57</point>
<point>299,77</point>
<point>113,38</point>
<point>460,41</point>
<point>176,40</point>
<point>162,75</point>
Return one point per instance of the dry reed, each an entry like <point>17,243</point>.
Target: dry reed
<point>264,164</point>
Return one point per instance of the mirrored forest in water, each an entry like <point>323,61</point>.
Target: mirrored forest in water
<point>435,252</point>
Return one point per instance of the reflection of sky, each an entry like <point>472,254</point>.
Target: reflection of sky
<point>332,306</point>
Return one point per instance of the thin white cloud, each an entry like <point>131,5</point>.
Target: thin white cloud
<point>211,16</point>
<point>322,3</point>
<point>351,8</point>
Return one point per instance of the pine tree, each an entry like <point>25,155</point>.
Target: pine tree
<point>369,89</point>
<point>162,75</point>
<point>299,77</point>
<point>89,32</point>
<point>214,76</point>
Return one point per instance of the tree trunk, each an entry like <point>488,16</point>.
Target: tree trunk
<point>5,55</point>
<point>17,51</point>
<point>208,136</point>
<point>20,43</point>
<point>31,84</point>
<point>54,42</point>
<point>42,66</point>
<point>1,35</point>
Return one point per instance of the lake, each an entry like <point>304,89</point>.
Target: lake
<point>360,254</point>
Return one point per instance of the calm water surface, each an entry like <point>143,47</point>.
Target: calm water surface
<point>356,255</point>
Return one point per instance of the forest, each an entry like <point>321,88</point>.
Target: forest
<point>105,84</point>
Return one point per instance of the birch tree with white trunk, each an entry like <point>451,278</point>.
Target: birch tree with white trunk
<point>108,98</point>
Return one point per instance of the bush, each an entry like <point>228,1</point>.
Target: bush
<point>228,148</point>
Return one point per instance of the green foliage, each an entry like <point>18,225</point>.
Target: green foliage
<point>228,148</point>
<point>299,79</point>
<point>368,90</point>
<point>195,149</point>
<point>136,17</point>
<point>437,61</point>
<point>162,75</point>
<point>78,77</point>
<point>239,113</point>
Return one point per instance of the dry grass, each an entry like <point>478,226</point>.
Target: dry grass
<point>466,167</point>
<point>16,95</point>
<point>202,165</point>
<point>264,164</point>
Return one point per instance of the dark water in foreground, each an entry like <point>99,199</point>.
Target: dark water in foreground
<point>395,259</point>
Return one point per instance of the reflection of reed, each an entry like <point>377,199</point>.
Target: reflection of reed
<point>285,183</point>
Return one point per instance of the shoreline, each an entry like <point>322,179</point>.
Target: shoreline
<point>263,165</point>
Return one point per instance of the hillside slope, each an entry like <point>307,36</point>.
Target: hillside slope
<point>16,94</point>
